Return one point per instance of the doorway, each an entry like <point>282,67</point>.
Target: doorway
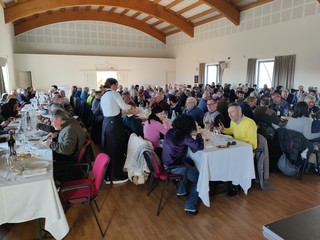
<point>25,79</point>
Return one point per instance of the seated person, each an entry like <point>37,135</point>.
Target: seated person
<point>247,106</point>
<point>310,100</point>
<point>279,105</point>
<point>175,147</point>
<point>158,100</point>
<point>241,127</point>
<point>193,110</point>
<point>174,106</point>
<point>156,125</point>
<point>3,124</point>
<point>212,118</point>
<point>133,123</point>
<point>10,109</point>
<point>266,116</point>
<point>301,122</point>
<point>66,145</point>
<point>23,97</point>
<point>70,139</point>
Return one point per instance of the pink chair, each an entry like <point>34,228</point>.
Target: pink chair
<point>158,172</point>
<point>86,190</point>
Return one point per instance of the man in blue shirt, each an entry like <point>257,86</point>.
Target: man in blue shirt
<point>194,111</point>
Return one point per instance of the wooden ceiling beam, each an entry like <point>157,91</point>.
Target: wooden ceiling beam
<point>172,4</point>
<point>112,9</point>
<point>82,14</point>
<point>2,4</point>
<point>100,8</point>
<point>226,9</point>
<point>124,12</point>
<point>135,15</point>
<point>31,7</point>
<point>146,18</point>
<point>156,23</point>
<point>192,6</point>
<point>201,14</point>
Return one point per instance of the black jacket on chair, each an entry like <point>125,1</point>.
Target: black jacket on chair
<point>293,143</point>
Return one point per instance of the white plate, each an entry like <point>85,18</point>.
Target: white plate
<point>37,165</point>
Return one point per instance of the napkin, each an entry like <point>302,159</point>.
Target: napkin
<point>34,172</point>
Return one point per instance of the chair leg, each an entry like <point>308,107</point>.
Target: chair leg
<point>95,203</point>
<point>150,185</point>
<point>161,197</point>
<point>95,216</point>
<point>39,230</point>
<point>303,168</point>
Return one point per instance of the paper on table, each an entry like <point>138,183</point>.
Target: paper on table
<point>34,172</point>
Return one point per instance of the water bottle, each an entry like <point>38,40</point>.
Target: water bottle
<point>28,121</point>
<point>173,116</point>
<point>20,135</point>
<point>11,144</point>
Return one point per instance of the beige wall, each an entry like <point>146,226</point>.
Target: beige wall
<point>6,46</point>
<point>65,70</point>
<point>279,28</point>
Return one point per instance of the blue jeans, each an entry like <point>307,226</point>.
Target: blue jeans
<point>189,173</point>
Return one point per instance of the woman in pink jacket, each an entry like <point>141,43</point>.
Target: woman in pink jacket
<point>155,126</point>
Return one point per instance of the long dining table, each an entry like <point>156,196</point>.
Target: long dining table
<point>219,162</point>
<point>30,193</point>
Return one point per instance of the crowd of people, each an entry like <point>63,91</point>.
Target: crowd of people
<point>236,111</point>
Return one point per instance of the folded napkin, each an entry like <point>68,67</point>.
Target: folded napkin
<point>34,172</point>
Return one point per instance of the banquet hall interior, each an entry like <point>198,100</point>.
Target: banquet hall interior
<point>158,43</point>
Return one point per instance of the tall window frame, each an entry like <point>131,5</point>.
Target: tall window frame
<point>264,72</point>
<point>212,72</point>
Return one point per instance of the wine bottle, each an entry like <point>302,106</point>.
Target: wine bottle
<point>11,144</point>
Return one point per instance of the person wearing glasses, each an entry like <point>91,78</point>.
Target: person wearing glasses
<point>213,117</point>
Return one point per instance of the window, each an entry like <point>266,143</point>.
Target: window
<point>5,77</point>
<point>211,73</point>
<point>264,72</point>
<point>102,76</point>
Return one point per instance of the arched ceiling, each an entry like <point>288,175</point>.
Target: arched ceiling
<point>158,18</point>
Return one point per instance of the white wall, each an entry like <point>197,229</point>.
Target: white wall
<point>279,28</point>
<point>65,70</point>
<point>6,46</point>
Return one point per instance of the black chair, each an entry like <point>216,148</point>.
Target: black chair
<point>292,144</point>
<point>261,160</point>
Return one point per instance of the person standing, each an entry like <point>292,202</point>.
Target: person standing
<point>113,136</point>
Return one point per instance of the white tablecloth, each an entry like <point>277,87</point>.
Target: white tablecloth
<point>32,198</point>
<point>234,163</point>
